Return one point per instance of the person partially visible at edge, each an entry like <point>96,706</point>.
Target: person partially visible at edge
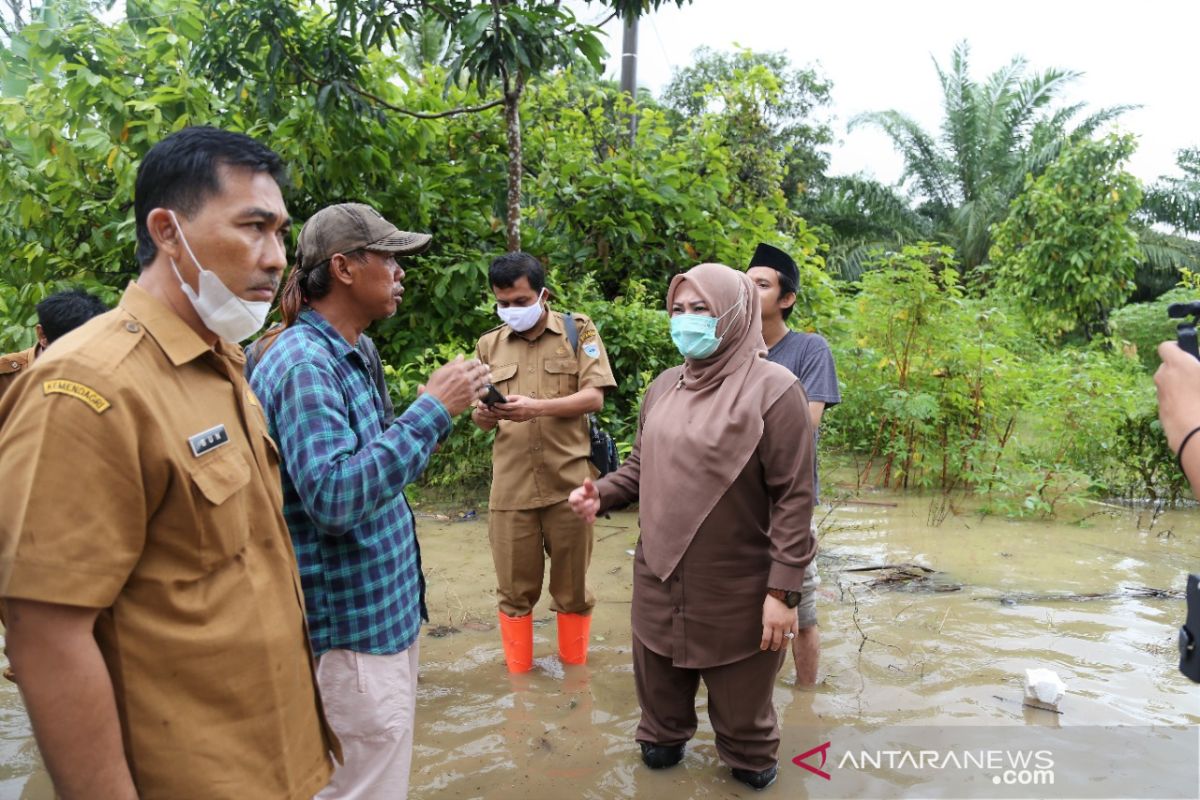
<point>541,452</point>
<point>722,468</point>
<point>59,313</point>
<point>809,358</point>
<point>1178,383</point>
<point>155,616</point>
<point>344,473</point>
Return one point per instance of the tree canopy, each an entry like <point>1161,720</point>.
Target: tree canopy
<point>993,134</point>
<point>463,119</point>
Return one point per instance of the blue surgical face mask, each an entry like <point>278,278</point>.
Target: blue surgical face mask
<point>696,334</point>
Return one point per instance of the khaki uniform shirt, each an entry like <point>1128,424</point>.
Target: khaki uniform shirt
<point>137,477</point>
<point>13,366</point>
<point>537,463</point>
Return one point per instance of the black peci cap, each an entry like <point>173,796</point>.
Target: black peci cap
<point>767,256</point>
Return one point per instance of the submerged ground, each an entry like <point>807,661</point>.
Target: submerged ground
<point>901,648</point>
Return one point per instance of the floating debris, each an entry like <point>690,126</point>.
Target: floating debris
<point>907,578</point>
<point>1148,592</point>
<point>1044,689</point>
<point>439,631</point>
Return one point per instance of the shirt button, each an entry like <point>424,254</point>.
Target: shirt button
<point>676,609</point>
<point>132,327</point>
<point>15,364</point>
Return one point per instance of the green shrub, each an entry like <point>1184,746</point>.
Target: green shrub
<point>950,392</point>
<point>1145,325</point>
<point>930,398</point>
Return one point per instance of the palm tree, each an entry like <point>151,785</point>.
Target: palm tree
<point>861,218</point>
<point>993,134</point>
<point>1170,202</point>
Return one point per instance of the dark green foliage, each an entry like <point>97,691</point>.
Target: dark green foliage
<point>993,133</point>
<point>1143,326</point>
<point>770,112</point>
<point>1066,252</point>
<point>369,99</point>
<point>950,392</point>
<point>935,398</point>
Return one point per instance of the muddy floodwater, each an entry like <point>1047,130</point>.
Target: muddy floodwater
<point>901,647</point>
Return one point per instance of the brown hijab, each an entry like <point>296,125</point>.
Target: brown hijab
<point>699,436</point>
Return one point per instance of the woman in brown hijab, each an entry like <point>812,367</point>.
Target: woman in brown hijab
<point>722,470</point>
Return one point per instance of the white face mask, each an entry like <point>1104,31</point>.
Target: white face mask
<point>522,318</point>
<point>221,311</point>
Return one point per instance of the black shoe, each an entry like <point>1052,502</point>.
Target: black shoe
<point>661,756</point>
<point>756,780</point>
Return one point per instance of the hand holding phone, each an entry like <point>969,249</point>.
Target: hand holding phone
<point>493,396</point>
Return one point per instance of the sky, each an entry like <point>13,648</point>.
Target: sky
<point>879,55</point>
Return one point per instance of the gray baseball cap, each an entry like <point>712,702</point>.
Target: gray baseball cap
<point>346,227</point>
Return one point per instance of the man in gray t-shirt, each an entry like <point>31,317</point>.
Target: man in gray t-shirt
<point>809,358</point>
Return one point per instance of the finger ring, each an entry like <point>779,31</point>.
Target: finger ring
<point>790,635</point>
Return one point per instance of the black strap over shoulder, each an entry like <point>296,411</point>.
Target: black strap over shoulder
<point>572,331</point>
<point>604,449</point>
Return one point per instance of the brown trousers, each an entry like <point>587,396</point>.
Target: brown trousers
<point>521,540</point>
<point>739,704</point>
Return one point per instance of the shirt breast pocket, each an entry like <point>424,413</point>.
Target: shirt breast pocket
<point>222,518</point>
<point>504,378</point>
<point>562,377</point>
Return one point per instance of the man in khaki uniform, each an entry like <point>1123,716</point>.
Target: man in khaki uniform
<point>13,365</point>
<point>156,622</point>
<point>540,454</point>
<point>57,314</point>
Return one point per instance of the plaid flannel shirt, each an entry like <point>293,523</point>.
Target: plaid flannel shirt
<point>343,480</point>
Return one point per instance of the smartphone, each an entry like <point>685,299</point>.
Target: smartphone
<point>493,396</point>
<point>1189,634</point>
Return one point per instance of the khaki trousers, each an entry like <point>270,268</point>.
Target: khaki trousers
<point>371,703</point>
<point>521,540</point>
<point>739,704</point>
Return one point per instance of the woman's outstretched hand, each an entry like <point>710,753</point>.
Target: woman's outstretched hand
<point>585,501</point>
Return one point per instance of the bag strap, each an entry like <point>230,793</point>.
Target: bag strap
<point>572,331</point>
<point>573,339</point>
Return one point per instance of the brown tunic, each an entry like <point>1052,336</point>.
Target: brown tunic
<point>709,610</point>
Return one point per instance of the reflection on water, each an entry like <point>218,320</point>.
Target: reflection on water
<point>890,655</point>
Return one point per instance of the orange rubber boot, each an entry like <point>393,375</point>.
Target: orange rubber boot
<point>517,635</point>
<point>573,637</point>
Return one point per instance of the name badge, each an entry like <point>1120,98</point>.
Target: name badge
<point>207,440</point>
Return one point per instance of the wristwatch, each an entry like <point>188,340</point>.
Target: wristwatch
<point>789,599</point>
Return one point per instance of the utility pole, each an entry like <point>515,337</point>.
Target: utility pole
<point>629,46</point>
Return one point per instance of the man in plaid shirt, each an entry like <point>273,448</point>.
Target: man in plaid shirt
<point>344,472</point>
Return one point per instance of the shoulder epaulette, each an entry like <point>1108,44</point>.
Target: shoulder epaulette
<point>120,336</point>
<point>13,362</point>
